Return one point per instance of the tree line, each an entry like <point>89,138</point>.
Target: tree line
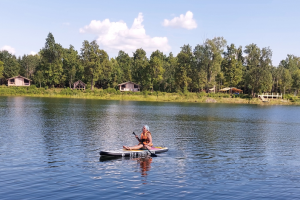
<point>211,64</point>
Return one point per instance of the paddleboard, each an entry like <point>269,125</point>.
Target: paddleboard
<point>133,153</point>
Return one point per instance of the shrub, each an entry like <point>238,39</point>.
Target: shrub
<point>180,93</point>
<point>88,91</point>
<point>111,90</point>
<point>201,94</point>
<point>32,87</point>
<point>145,93</point>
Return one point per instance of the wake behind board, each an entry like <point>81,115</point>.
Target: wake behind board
<point>133,153</point>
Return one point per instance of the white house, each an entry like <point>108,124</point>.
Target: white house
<point>129,86</point>
<point>18,81</point>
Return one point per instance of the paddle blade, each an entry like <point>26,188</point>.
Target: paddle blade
<point>153,155</point>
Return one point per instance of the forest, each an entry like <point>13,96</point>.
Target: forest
<point>211,64</point>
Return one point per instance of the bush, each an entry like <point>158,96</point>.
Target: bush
<point>201,94</point>
<point>88,91</point>
<point>111,90</point>
<point>212,95</point>
<point>66,91</point>
<point>32,87</point>
<point>145,93</point>
<point>88,86</point>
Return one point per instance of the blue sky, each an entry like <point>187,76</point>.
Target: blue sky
<point>24,24</point>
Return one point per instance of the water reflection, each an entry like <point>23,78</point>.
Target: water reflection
<point>143,163</point>
<point>145,166</point>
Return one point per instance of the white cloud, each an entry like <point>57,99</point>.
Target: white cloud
<point>33,53</point>
<point>117,36</point>
<point>9,49</point>
<point>183,21</point>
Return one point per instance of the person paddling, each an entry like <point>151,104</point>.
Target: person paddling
<point>144,142</point>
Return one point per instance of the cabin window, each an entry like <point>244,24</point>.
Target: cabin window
<point>136,86</point>
<point>12,81</point>
<point>26,82</point>
<point>123,86</point>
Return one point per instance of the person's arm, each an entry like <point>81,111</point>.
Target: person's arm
<point>150,138</point>
<point>137,138</point>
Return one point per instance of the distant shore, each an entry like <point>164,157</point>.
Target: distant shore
<point>112,94</point>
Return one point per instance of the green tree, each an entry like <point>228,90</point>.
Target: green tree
<point>125,64</point>
<point>72,66</point>
<point>29,64</point>
<point>39,77</point>
<point>156,69</point>
<point>296,81</point>
<point>1,69</point>
<point>106,69</point>
<point>258,76</point>
<point>52,62</point>
<point>140,74</point>
<point>169,73</point>
<point>292,63</point>
<point>285,80</point>
<point>183,72</point>
<point>116,74</point>
<point>202,55</point>
<point>91,61</point>
<point>96,63</point>
<point>11,66</point>
<point>208,59</point>
<point>232,67</point>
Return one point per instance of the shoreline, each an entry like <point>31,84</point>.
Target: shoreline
<point>158,97</point>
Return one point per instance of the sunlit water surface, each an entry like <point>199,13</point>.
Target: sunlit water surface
<point>49,149</point>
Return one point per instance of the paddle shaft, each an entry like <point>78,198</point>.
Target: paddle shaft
<point>152,154</point>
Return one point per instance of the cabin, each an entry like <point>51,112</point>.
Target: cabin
<point>212,90</point>
<point>231,90</point>
<point>129,86</point>
<point>18,81</point>
<point>79,85</point>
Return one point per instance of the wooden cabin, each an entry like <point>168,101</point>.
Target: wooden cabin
<point>212,90</point>
<point>129,86</point>
<point>18,81</point>
<point>79,85</point>
<point>232,90</point>
<point>236,91</point>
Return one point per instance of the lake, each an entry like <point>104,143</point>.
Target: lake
<point>49,149</point>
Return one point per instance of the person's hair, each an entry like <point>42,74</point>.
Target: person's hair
<point>147,127</point>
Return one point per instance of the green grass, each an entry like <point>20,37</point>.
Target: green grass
<point>112,94</point>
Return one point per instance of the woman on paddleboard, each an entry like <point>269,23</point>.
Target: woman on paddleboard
<point>144,142</point>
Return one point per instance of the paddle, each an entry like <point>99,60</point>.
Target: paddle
<point>152,154</point>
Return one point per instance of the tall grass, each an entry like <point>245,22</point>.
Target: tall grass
<point>111,93</point>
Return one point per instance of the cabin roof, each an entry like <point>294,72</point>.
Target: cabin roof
<point>224,89</point>
<point>79,82</point>
<point>129,82</point>
<point>232,89</point>
<point>19,77</point>
<point>236,90</point>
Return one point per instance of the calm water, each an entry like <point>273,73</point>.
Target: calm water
<point>49,149</point>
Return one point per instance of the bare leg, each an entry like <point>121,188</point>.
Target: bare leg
<point>133,147</point>
<point>146,146</point>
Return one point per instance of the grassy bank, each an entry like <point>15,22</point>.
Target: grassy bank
<point>112,94</point>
